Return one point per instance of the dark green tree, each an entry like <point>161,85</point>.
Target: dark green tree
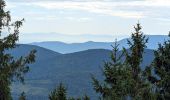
<point>117,77</point>
<point>124,78</point>
<point>11,69</point>
<point>59,93</point>
<point>85,97</point>
<point>140,88</point>
<point>159,71</point>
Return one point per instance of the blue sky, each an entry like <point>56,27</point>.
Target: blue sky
<point>88,20</point>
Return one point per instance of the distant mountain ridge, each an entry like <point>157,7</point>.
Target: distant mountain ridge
<point>75,47</point>
<point>73,69</point>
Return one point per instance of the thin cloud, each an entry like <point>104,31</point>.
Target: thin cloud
<point>80,19</point>
<point>124,8</point>
<point>92,7</point>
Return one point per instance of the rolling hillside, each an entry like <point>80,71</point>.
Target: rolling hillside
<point>75,47</point>
<point>72,69</point>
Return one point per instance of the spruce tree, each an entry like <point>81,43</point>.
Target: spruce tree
<point>159,71</point>
<point>124,79</point>
<point>140,87</point>
<point>10,68</point>
<point>59,93</point>
<point>117,78</point>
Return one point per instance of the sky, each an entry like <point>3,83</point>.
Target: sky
<point>88,20</point>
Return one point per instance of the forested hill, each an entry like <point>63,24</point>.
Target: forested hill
<point>73,69</point>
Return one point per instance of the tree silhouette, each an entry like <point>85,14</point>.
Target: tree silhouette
<point>140,88</point>
<point>10,68</point>
<point>58,93</point>
<point>159,71</point>
<point>124,78</point>
<point>117,77</point>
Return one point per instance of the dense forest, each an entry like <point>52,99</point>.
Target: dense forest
<point>124,78</point>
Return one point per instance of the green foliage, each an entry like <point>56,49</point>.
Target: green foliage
<point>59,93</point>
<point>140,87</point>
<point>117,77</point>
<point>159,71</point>
<point>124,78</point>
<point>85,97</point>
<point>11,69</point>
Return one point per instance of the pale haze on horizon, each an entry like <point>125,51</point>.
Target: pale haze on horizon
<point>88,20</point>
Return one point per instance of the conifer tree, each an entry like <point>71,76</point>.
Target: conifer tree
<point>125,79</point>
<point>58,93</point>
<point>140,87</point>
<point>10,68</point>
<point>159,71</point>
<point>117,78</point>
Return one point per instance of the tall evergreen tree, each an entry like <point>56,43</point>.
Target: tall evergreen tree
<point>159,71</point>
<point>10,68</point>
<point>125,79</point>
<point>140,87</point>
<point>117,78</point>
